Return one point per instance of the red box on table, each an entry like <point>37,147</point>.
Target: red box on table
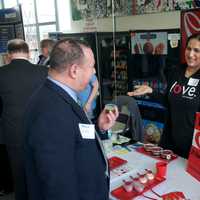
<point>193,165</point>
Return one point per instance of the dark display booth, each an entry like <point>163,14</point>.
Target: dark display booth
<point>153,53</point>
<point>133,58</point>
<point>113,64</point>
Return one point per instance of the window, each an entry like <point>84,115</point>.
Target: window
<point>31,39</point>
<point>41,17</point>
<point>1,4</point>
<point>64,15</point>
<point>45,29</point>
<point>28,11</point>
<point>45,15</point>
<point>10,3</point>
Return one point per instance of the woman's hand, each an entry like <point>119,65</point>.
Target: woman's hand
<point>140,90</point>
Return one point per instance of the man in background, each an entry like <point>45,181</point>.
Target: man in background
<point>18,80</point>
<point>46,46</point>
<point>64,155</point>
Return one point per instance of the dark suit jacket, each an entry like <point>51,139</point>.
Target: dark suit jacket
<point>18,80</point>
<point>60,164</point>
<point>43,60</point>
<point>1,134</point>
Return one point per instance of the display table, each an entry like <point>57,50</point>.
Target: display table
<point>177,178</point>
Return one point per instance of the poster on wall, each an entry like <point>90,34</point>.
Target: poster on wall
<point>190,24</point>
<point>149,43</point>
<point>10,15</point>
<point>153,6</point>
<point>11,26</point>
<point>95,8</point>
<point>6,33</point>
<point>82,9</point>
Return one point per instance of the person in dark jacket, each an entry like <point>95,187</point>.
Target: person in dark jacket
<point>18,80</point>
<point>64,155</point>
<point>6,184</point>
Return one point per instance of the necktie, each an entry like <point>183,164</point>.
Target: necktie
<point>103,152</point>
<point>79,102</point>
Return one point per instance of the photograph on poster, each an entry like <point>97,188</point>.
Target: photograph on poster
<point>149,43</point>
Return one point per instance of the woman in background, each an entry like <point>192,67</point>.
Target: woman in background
<point>182,99</point>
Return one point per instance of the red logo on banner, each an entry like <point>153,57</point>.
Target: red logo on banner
<point>194,157</point>
<point>197,121</point>
<point>197,139</point>
<point>190,24</point>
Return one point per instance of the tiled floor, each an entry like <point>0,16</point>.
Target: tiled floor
<point>7,197</point>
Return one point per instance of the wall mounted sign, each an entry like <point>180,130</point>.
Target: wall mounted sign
<point>190,24</point>
<point>103,8</point>
<point>11,26</point>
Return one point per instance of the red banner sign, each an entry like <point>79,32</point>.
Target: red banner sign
<point>190,24</point>
<point>194,157</point>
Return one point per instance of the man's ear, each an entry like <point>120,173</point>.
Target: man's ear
<point>73,69</point>
<point>7,58</point>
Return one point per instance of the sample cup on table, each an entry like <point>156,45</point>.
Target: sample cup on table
<point>128,185</point>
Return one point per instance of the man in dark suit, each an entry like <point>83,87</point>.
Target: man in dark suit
<point>64,156</point>
<point>18,80</point>
<point>46,46</point>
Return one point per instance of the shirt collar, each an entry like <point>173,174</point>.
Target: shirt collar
<point>69,90</point>
<point>20,57</point>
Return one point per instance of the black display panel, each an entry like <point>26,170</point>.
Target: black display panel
<point>11,26</point>
<point>152,57</point>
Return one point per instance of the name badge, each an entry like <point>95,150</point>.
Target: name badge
<point>193,82</point>
<point>87,131</point>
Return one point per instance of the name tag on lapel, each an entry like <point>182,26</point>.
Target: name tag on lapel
<point>87,131</point>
